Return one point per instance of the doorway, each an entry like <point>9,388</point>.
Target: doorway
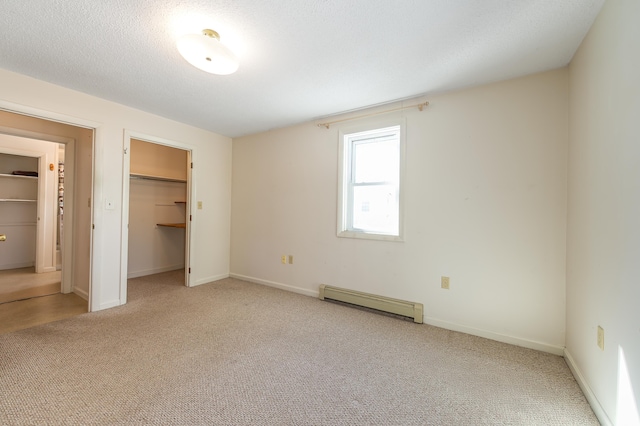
<point>30,221</point>
<point>157,207</point>
<point>62,226</point>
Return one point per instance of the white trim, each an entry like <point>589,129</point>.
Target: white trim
<point>107,305</point>
<point>124,220</point>
<point>274,284</point>
<point>145,272</point>
<point>48,115</point>
<point>586,389</point>
<point>190,224</point>
<point>345,153</point>
<point>41,234</point>
<point>81,293</point>
<point>208,280</point>
<point>517,341</point>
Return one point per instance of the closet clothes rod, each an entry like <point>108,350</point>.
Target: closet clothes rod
<point>420,106</point>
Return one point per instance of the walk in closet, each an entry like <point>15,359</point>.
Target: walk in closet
<point>158,208</point>
<point>18,210</point>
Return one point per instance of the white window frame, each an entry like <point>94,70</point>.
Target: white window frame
<point>345,201</point>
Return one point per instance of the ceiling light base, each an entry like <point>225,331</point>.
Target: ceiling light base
<point>204,51</point>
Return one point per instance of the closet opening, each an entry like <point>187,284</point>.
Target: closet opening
<point>158,199</point>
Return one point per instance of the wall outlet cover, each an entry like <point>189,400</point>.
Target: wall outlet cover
<point>444,282</point>
<point>601,338</point>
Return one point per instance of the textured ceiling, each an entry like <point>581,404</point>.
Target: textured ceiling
<point>299,59</point>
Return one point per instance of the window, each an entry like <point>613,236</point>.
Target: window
<point>370,185</point>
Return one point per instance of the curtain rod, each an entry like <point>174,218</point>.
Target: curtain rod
<point>329,123</point>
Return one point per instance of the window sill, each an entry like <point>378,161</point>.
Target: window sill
<point>368,236</point>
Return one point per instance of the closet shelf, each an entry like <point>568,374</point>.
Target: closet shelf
<point>7,175</point>
<point>170,205</point>
<point>152,177</point>
<point>15,200</point>
<point>172,225</point>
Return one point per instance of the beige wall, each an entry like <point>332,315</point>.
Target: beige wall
<point>603,243</point>
<point>158,160</point>
<point>485,204</point>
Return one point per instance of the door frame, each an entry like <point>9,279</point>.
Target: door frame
<point>69,256</point>
<point>42,206</point>
<point>190,220</point>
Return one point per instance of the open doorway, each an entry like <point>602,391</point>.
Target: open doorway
<point>31,199</point>
<point>62,178</point>
<point>158,208</point>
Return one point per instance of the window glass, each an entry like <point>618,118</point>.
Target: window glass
<point>369,202</point>
<point>376,160</point>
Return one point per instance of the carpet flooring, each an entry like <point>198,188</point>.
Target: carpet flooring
<point>236,353</point>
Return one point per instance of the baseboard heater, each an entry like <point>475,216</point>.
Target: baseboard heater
<point>380,303</point>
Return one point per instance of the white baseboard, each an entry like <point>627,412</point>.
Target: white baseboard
<point>143,273</point>
<point>211,279</point>
<point>107,305</point>
<point>17,265</point>
<point>525,343</point>
<point>49,269</point>
<point>586,389</point>
<point>281,286</point>
<point>544,347</point>
<point>81,293</point>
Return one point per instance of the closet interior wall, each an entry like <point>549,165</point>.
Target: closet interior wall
<point>157,209</point>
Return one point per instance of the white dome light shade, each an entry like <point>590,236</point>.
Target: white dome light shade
<point>204,51</point>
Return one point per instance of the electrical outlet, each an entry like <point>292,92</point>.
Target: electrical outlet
<point>290,259</point>
<point>283,259</point>
<point>601,338</point>
<point>444,282</point>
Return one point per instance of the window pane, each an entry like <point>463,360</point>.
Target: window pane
<point>376,160</point>
<point>375,209</point>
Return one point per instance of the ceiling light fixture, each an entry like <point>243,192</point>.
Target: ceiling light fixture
<point>204,51</point>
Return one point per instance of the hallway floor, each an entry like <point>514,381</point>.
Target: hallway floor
<point>39,310</point>
<point>24,283</point>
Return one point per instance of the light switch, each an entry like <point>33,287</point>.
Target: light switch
<point>199,205</point>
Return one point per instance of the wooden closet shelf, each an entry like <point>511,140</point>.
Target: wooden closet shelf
<point>172,225</point>
<point>151,177</point>
<point>9,175</point>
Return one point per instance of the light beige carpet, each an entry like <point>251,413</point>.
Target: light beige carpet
<point>235,353</point>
